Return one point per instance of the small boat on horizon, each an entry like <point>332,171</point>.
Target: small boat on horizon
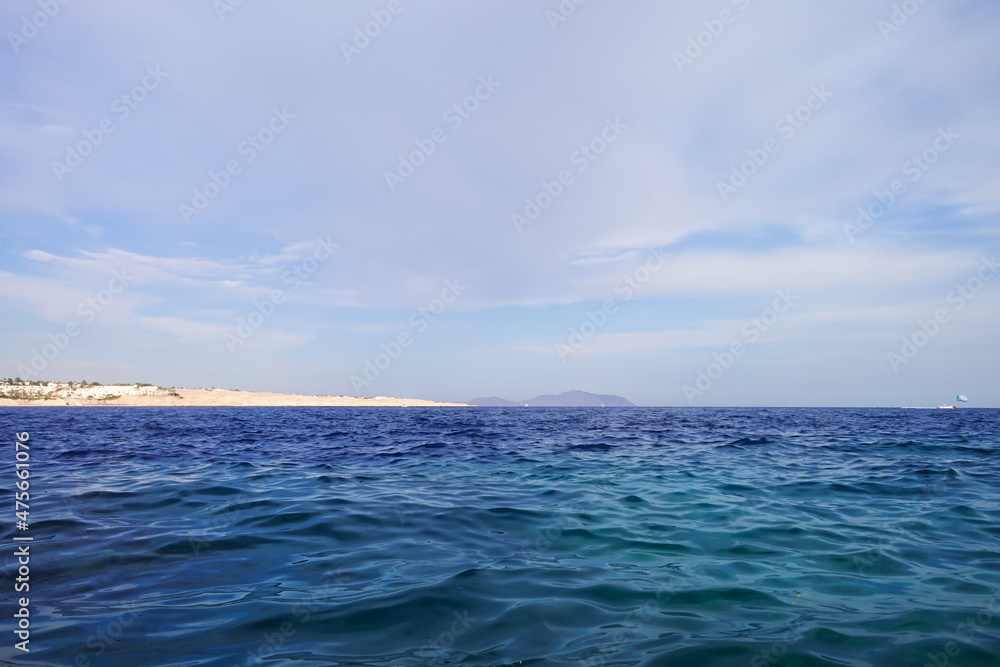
<point>960,398</point>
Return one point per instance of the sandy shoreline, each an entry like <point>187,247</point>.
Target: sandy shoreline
<point>226,398</point>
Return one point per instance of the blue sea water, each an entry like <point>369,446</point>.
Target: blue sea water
<point>508,536</point>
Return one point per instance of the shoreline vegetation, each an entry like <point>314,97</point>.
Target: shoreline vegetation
<point>17,392</point>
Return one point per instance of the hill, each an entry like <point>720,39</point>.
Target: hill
<point>567,399</point>
<point>493,402</point>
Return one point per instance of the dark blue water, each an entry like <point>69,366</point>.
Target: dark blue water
<point>381,536</point>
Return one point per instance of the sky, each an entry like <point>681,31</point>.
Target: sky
<point>723,203</point>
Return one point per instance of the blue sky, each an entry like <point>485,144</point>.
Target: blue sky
<point>690,162</point>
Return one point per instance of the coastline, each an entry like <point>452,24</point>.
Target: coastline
<point>228,398</point>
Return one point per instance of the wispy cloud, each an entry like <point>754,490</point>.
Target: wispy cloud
<point>655,187</point>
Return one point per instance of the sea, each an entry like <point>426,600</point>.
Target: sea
<point>694,537</point>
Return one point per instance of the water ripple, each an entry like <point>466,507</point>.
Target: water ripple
<point>337,536</point>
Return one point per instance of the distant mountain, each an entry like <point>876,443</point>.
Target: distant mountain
<point>567,399</point>
<point>572,399</point>
<point>493,402</point>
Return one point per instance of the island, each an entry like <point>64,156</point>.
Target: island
<point>567,399</point>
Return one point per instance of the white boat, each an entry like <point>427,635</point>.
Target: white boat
<point>946,407</point>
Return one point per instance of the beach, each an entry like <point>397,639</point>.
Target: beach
<point>230,398</point>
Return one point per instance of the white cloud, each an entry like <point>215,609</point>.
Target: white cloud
<point>655,186</point>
